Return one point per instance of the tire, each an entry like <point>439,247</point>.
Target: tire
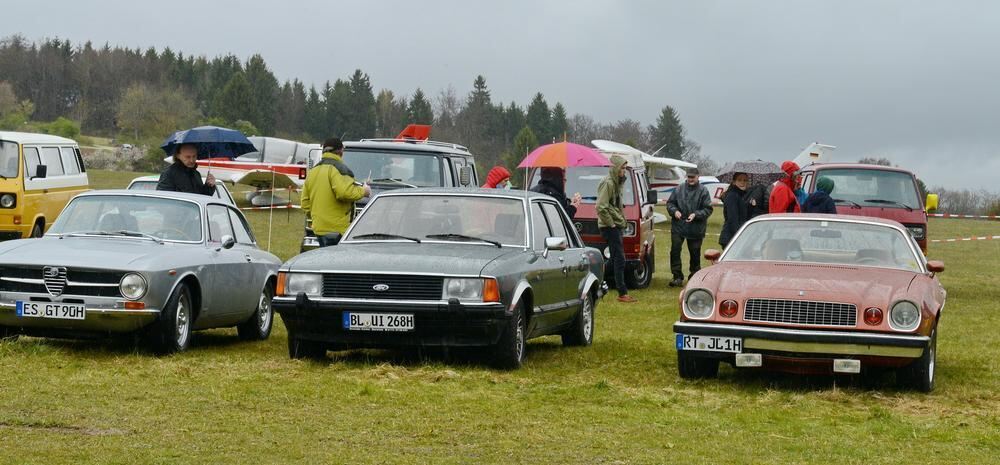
<point>690,367</point>
<point>37,231</point>
<point>509,351</point>
<point>299,349</point>
<point>8,334</point>
<point>920,374</point>
<point>172,332</point>
<point>581,333</point>
<point>641,275</point>
<point>258,326</point>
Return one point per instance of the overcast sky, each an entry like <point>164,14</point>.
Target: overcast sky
<point>917,82</point>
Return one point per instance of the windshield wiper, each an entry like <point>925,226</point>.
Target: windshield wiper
<point>114,233</point>
<point>462,237</point>
<point>396,181</point>
<point>853,203</point>
<point>139,234</point>
<point>891,202</point>
<point>385,236</point>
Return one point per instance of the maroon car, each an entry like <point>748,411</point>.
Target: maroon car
<point>814,294</point>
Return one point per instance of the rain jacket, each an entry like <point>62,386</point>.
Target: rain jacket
<point>783,198</point>
<point>329,194</point>
<point>553,186</point>
<point>735,211</point>
<point>687,200</point>
<point>609,197</point>
<point>180,178</point>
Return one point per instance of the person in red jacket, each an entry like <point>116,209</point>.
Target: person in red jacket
<point>498,178</point>
<point>782,199</point>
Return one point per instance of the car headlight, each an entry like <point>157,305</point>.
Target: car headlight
<point>463,289</point>
<point>8,200</point>
<point>133,286</point>
<point>629,229</point>
<point>904,316</point>
<point>607,253</point>
<point>699,304</point>
<point>918,232</point>
<point>309,283</point>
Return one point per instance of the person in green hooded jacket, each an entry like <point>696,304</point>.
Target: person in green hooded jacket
<point>611,221</point>
<point>330,191</point>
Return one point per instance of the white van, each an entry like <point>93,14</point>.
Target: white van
<point>39,173</point>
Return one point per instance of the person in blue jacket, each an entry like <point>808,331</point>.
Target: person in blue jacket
<point>820,200</point>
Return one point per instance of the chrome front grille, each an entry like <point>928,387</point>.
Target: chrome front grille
<point>382,286</point>
<point>801,312</point>
<point>61,282</point>
<point>55,279</point>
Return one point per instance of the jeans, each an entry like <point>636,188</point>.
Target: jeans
<point>694,249</point>
<point>613,236</point>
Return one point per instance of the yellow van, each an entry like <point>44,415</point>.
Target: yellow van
<point>39,173</point>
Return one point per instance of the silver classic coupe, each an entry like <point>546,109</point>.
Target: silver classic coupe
<point>158,263</point>
<point>445,267</point>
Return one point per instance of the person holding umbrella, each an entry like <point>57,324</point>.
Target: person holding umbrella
<point>552,183</point>
<point>182,175</point>
<point>735,208</point>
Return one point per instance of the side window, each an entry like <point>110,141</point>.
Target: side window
<point>450,179</point>
<point>79,161</point>
<point>560,228</point>
<point>31,161</point>
<point>50,158</point>
<point>539,228</point>
<point>243,235</point>
<point>68,156</point>
<point>218,223</point>
<point>806,181</point>
<point>457,164</point>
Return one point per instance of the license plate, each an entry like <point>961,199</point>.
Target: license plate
<point>51,310</point>
<point>378,321</point>
<point>710,343</point>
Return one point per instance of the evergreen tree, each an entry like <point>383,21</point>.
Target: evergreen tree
<point>315,117</point>
<point>539,119</point>
<point>559,124</point>
<point>390,114</point>
<point>419,110</point>
<point>668,134</point>
<point>361,112</point>
<point>235,100</point>
<point>264,88</point>
<point>338,110</point>
<point>524,143</point>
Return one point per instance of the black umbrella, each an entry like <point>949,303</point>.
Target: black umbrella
<point>760,172</point>
<point>212,141</point>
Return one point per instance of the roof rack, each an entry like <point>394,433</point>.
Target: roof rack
<point>425,142</point>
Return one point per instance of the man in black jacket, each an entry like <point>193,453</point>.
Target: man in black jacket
<point>552,183</point>
<point>689,207</point>
<point>182,175</point>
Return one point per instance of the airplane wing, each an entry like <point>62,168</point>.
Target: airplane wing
<point>264,179</point>
<point>664,161</point>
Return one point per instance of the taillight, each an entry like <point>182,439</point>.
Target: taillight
<point>873,316</point>
<point>728,308</point>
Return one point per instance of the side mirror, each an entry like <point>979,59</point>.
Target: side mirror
<point>713,255</point>
<point>40,171</point>
<point>932,202</point>
<point>228,241</point>
<point>651,197</point>
<point>554,243</point>
<point>465,175</point>
<point>330,239</point>
<point>935,266</point>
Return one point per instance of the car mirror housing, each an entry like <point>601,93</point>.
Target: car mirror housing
<point>40,172</point>
<point>465,175</point>
<point>935,266</point>
<point>556,243</point>
<point>228,242</point>
<point>713,255</point>
<point>651,197</point>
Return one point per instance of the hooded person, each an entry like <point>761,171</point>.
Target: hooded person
<point>783,199</point>
<point>735,208</point>
<point>552,183</point>
<point>498,178</point>
<point>820,200</point>
<point>689,206</point>
<point>611,221</point>
<point>329,193</point>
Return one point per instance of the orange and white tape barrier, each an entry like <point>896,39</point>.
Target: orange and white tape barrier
<point>973,217</point>
<point>272,207</point>
<point>968,239</point>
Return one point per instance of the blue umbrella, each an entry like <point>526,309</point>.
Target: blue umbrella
<point>212,141</point>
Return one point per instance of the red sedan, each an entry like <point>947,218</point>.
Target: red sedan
<point>814,294</point>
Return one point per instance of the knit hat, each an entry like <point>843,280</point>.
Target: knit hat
<point>789,167</point>
<point>495,176</point>
<point>824,184</point>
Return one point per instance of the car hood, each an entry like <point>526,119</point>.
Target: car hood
<point>860,285</point>
<point>88,252</point>
<point>393,257</point>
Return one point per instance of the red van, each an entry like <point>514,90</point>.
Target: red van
<point>873,190</point>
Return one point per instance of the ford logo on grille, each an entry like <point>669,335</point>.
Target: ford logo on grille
<point>380,287</point>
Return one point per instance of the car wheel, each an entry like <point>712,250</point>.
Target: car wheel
<point>920,374</point>
<point>301,349</point>
<point>641,275</point>
<point>172,332</point>
<point>258,326</point>
<point>509,351</point>
<point>37,231</point>
<point>691,367</point>
<point>581,332</point>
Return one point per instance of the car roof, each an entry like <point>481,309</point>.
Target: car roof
<point>198,198</point>
<point>33,138</point>
<point>828,217</point>
<point>823,166</point>
<point>509,193</point>
<point>428,147</point>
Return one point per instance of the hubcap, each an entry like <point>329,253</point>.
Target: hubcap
<point>588,318</point>
<point>930,366</point>
<point>264,312</point>
<point>182,320</point>
<point>520,341</point>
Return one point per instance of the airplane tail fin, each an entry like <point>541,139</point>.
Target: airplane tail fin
<point>415,132</point>
<point>814,153</point>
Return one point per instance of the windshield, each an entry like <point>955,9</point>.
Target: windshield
<point>391,217</point>
<point>891,189</point>
<point>824,241</point>
<point>420,170</point>
<point>9,157</point>
<point>143,186</point>
<point>168,219</point>
<point>585,179</point>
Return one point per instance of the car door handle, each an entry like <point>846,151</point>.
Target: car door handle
<point>248,257</point>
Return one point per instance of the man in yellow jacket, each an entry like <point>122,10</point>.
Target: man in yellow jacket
<point>330,191</point>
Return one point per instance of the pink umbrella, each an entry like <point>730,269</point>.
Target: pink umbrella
<point>563,155</point>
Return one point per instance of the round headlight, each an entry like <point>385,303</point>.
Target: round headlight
<point>133,286</point>
<point>7,200</point>
<point>607,253</point>
<point>904,316</point>
<point>699,304</point>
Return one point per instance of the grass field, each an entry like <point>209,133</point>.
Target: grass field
<point>619,401</point>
